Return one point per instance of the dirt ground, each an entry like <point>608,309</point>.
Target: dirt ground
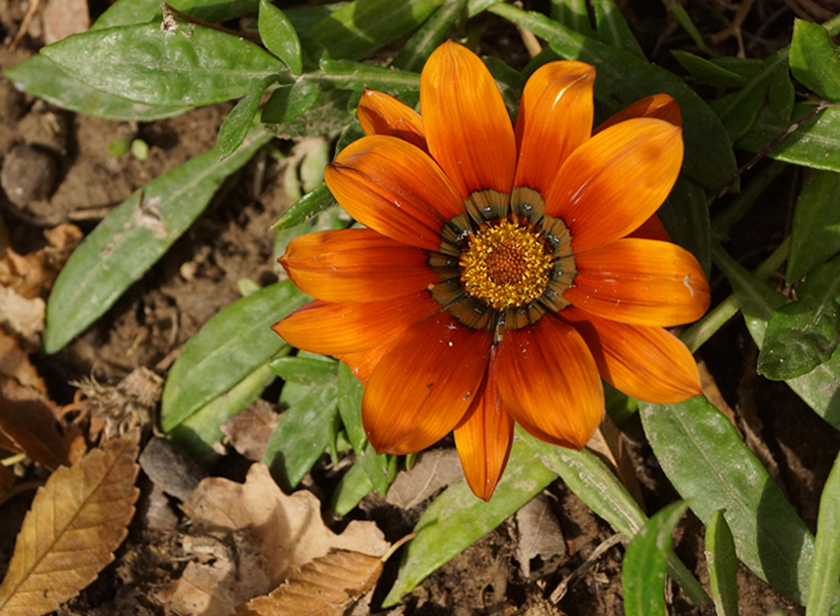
<point>231,241</point>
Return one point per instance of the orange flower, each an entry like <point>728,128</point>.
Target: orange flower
<point>504,271</point>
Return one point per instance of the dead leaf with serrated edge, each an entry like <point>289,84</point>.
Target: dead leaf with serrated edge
<point>76,522</point>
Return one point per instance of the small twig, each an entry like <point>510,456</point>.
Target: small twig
<point>24,25</point>
<point>168,11</point>
<point>559,592</point>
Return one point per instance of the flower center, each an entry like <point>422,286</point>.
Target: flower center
<point>506,264</point>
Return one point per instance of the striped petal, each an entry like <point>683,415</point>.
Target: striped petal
<point>555,118</point>
<point>659,106</point>
<point>394,188</point>
<point>615,181</point>
<point>337,328</point>
<point>484,440</point>
<point>466,123</point>
<point>645,282</point>
<point>356,265</point>
<point>648,363</point>
<point>550,383</point>
<point>424,384</point>
<point>362,363</point>
<point>382,114</point>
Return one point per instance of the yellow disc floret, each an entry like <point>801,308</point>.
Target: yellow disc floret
<point>506,264</point>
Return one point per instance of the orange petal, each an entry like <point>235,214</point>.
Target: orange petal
<point>555,118</point>
<point>659,106</point>
<point>382,114</point>
<point>549,382</point>
<point>648,363</point>
<point>615,181</point>
<point>651,229</point>
<point>394,188</point>
<point>466,123</point>
<point>424,384</point>
<point>362,363</point>
<point>640,281</point>
<point>484,440</point>
<point>337,328</point>
<point>356,265</point>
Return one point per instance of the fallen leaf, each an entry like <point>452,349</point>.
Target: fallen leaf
<point>29,424</point>
<point>36,272</point>
<point>63,18</point>
<point>249,430</point>
<point>14,362</point>
<point>288,530</point>
<point>22,316</point>
<point>76,522</point>
<point>432,471</point>
<point>539,533</point>
<point>327,586</point>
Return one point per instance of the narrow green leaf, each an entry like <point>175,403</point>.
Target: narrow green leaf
<point>357,76</point>
<point>279,36</point>
<point>239,120</point>
<point>646,562</point>
<point>197,434</point>
<point>814,60</point>
<point>226,350</point>
<point>316,371</point>
<point>303,431</point>
<point>456,518</point>
<point>132,238</point>
<point>824,592</point>
<point>188,66</point>
<point>815,144</point>
<point>350,393</point>
<point>815,236</point>
<point>377,468</point>
<point>414,54</point>
<point>304,18</point>
<point>351,489</point>
<point>708,72</point>
<point>573,14</point>
<point>739,110</point>
<point>781,94</point>
<point>307,208</point>
<point>704,458</point>
<point>127,12</point>
<point>624,78</point>
<point>683,18</point>
<point>612,29</point>
<point>289,102</point>
<point>685,215</point>
<point>43,78</point>
<point>723,565</point>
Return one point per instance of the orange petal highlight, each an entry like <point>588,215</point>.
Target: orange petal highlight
<point>337,328</point>
<point>484,440</point>
<point>651,229</point>
<point>615,181</point>
<point>394,188</point>
<point>424,384</point>
<point>382,114</point>
<point>555,118</point>
<point>356,265</point>
<point>648,363</point>
<point>550,383</point>
<point>659,106</point>
<point>466,123</point>
<point>644,282</point>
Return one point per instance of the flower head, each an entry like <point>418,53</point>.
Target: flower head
<point>505,270</point>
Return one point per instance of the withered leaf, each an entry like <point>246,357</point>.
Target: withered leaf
<point>433,470</point>
<point>327,586</point>
<point>36,272</point>
<point>539,533</point>
<point>76,522</point>
<point>250,430</point>
<point>15,362</point>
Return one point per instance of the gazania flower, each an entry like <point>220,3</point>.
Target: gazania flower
<point>504,270</point>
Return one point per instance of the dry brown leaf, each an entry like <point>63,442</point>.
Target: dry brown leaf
<point>15,362</point>
<point>22,316</point>
<point>288,530</point>
<point>76,522</point>
<point>250,430</point>
<point>608,444</point>
<point>31,274</point>
<point>539,533</point>
<point>327,587</point>
<point>29,425</point>
<point>432,471</point>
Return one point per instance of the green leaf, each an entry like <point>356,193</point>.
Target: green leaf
<point>683,18</point>
<point>351,489</point>
<point>127,12</point>
<point>723,565</point>
<point>360,28</point>
<point>279,36</point>
<point>317,371</point>
<point>456,518</point>
<point>803,334</point>
<point>702,455</point>
<point>306,209</point>
<point>132,238</point>
<point>227,349</point>
<point>646,562</point>
<point>239,120</point>
<point>326,116</point>
<point>350,392</point>
<point>814,60</point>
<point>815,144</point>
<point>378,468</point>
<point>708,72</point>
<point>612,29</point>
<point>685,215</point>
<point>43,78</point>
<point>188,66</point>
<point>414,54</point>
<point>815,236</point>
<point>198,432</point>
<point>781,94</point>
<point>357,76</point>
<point>303,431</point>
<point>739,110</point>
<point>289,102</point>
<point>824,591</point>
<point>624,78</point>
<point>304,18</point>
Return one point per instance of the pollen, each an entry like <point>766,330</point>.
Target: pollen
<point>506,264</point>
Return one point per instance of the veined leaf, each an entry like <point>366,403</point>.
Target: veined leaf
<point>279,36</point>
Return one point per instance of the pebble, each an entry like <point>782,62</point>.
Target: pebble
<point>29,174</point>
